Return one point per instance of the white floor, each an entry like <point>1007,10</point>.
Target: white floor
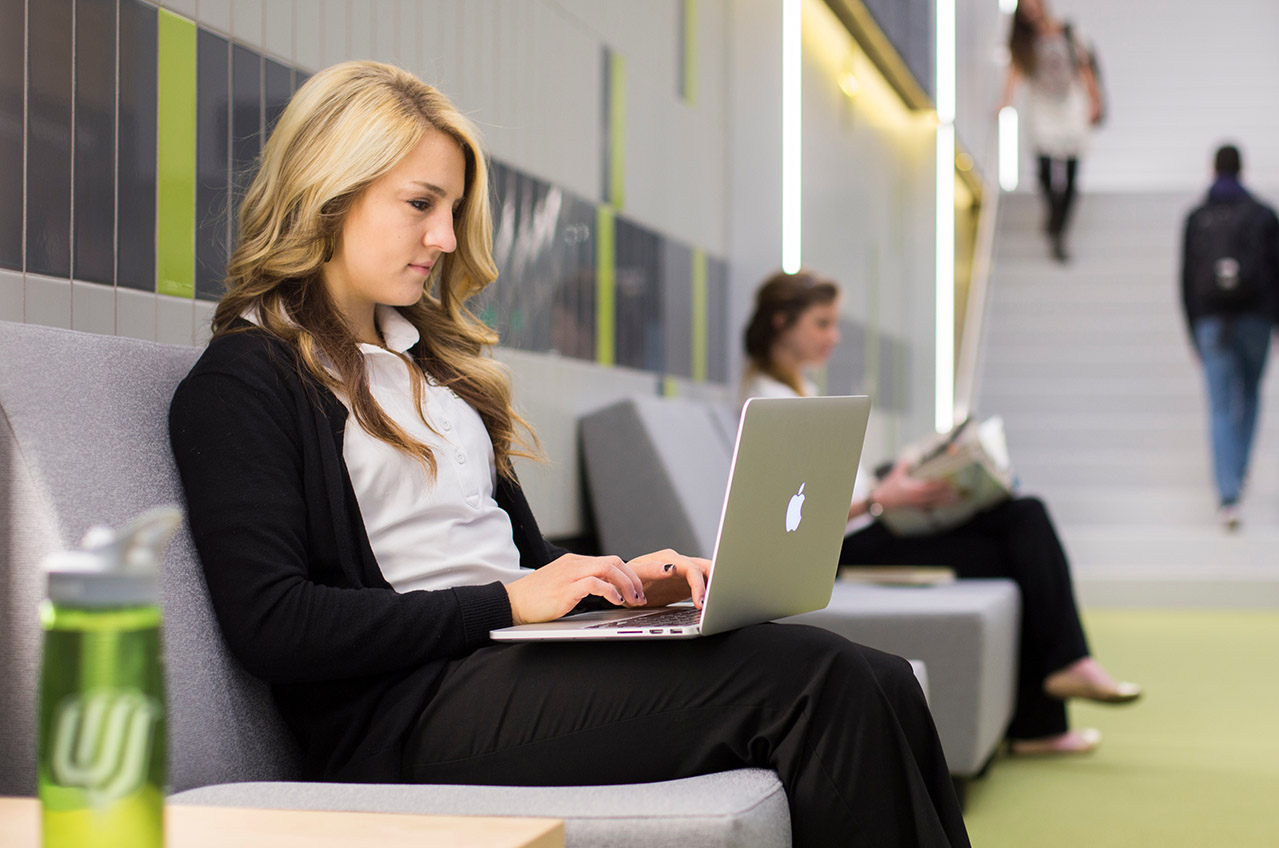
<point>1090,365</point>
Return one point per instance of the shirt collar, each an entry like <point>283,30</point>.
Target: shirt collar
<point>397,332</point>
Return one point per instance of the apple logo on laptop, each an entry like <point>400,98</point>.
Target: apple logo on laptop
<point>794,510</point>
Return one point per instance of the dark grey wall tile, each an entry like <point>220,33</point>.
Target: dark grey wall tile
<point>12,74</point>
<point>213,163</point>
<point>49,69</point>
<point>719,336</point>
<point>135,212</point>
<point>246,121</point>
<point>846,372</point>
<point>95,69</point>
<point>677,307</point>
<point>637,297</point>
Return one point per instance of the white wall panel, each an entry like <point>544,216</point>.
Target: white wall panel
<point>408,45</point>
<point>93,308</point>
<point>135,314</point>
<point>337,34</point>
<point>174,320</point>
<point>246,22</point>
<point>1182,77</point>
<point>216,14</point>
<point>359,25</point>
<point>755,152</point>
<point>310,36</point>
<point>12,296</point>
<point>48,301</point>
<point>553,393</point>
<point>277,34</point>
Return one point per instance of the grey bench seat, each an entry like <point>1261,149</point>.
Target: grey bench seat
<point>84,440</point>
<point>656,471</point>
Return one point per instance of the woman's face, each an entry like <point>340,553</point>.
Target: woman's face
<point>398,229</point>
<point>813,336</point>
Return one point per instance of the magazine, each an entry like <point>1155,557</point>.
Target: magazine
<point>973,457</point>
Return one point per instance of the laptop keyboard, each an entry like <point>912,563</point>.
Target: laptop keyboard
<point>685,617</point>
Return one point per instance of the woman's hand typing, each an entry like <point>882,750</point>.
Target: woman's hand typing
<point>554,589</point>
<point>669,577</point>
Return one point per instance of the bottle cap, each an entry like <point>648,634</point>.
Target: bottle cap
<point>113,568</point>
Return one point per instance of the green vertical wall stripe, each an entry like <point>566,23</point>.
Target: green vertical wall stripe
<point>701,315</point>
<point>175,157</point>
<point>617,131</point>
<point>670,387</point>
<point>605,316</point>
<point>690,52</point>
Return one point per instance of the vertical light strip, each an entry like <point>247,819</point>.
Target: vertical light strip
<point>945,343</point>
<point>791,135</point>
<point>1009,156</point>
<point>175,157</point>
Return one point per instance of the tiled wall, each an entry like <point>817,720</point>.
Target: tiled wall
<point>131,131</point>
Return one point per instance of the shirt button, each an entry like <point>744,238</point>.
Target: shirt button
<point>446,424</point>
<point>461,458</point>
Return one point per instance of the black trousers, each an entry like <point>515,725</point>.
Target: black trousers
<point>1016,540</point>
<point>1059,194</point>
<point>845,727</point>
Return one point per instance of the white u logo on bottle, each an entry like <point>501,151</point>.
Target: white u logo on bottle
<point>102,741</point>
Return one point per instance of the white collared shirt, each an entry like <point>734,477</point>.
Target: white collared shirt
<point>427,534</point>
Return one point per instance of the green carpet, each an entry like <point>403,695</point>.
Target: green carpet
<point>1194,763</point>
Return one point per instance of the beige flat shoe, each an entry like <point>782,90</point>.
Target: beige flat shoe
<point>1065,685</point>
<point>1082,741</point>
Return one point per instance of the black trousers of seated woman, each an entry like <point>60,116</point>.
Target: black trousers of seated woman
<point>845,727</point>
<point>1016,540</point>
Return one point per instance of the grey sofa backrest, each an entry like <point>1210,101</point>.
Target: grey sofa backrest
<point>656,470</point>
<point>84,441</point>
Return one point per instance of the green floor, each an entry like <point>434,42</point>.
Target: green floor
<point>1194,763</point>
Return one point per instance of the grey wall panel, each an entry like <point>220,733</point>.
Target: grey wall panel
<point>49,68</point>
<point>12,73</point>
<point>213,163</point>
<point>135,211</point>
<point>95,69</point>
<point>637,297</point>
<point>909,26</point>
<point>721,334</point>
<point>677,307</point>
<point>246,121</point>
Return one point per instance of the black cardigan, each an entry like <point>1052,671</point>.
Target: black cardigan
<point>293,580</point>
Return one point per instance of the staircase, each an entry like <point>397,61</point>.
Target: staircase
<point>1090,366</point>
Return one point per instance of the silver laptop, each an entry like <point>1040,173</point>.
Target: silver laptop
<point>780,529</point>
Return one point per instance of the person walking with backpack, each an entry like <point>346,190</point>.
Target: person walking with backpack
<point>1230,293</point>
<point>1064,102</point>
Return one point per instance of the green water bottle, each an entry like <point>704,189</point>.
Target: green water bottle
<point>101,735</point>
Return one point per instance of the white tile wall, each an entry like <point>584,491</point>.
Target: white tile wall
<point>310,35</point>
<point>135,314</point>
<point>93,308</point>
<point>336,33</point>
<point>408,45</point>
<point>216,14</point>
<point>360,31</point>
<point>186,8</point>
<point>385,20</point>
<point>174,320</point>
<point>439,26</point>
<point>553,393</point>
<point>202,314</point>
<point>48,301</point>
<point>12,296</point>
<point>277,32</point>
<point>246,22</point>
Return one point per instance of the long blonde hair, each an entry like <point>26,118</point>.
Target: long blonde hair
<point>343,129</point>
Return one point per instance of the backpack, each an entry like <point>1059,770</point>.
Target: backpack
<point>1081,56</point>
<point>1224,244</point>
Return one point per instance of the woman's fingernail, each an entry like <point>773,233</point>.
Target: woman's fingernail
<point>668,566</point>
<point>637,596</point>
